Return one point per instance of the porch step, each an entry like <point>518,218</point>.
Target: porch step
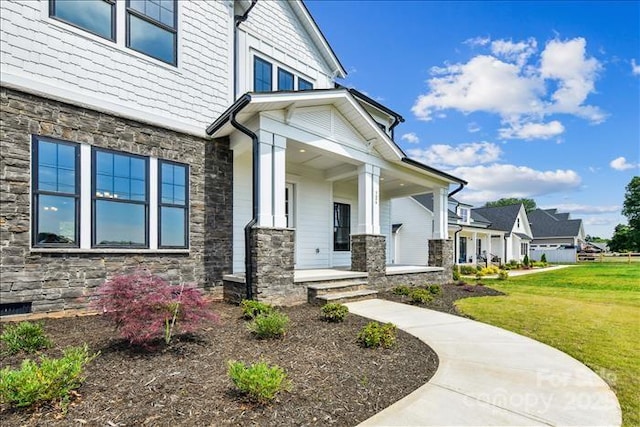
<point>340,290</point>
<point>342,297</point>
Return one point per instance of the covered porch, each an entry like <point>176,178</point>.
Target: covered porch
<point>314,174</point>
<point>479,247</point>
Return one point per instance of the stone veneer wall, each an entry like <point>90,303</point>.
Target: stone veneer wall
<point>441,255</point>
<point>63,280</point>
<point>272,250</point>
<point>368,253</point>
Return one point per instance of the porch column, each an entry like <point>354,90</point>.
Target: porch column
<point>489,257</point>
<point>368,200</point>
<point>440,213</point>
<point>474,252</point>
<point>271,184</point>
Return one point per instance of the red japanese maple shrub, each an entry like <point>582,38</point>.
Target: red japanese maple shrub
<point>145,307</point>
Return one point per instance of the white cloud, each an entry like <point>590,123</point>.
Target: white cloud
<point>574,208</point>
<point>600,220</point>
<point>441,155</point>
<point>410,137</point>
<point>621,164</point>
<point>473,127</point>
<point>532,130</point>
<point>478,41</point>
<point>635,68</point>
<point>512,82</point>
<point>503,180</point>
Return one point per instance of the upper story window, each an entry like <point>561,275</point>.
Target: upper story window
<point>95,16</point>
<point>464,214</point>
<point>152,28</point>
<point>120,206</point>
<point>285,80</point>
<point>56,193</point>
<point>261,75</point>
<point>518,223</point>
<point>304,85</point>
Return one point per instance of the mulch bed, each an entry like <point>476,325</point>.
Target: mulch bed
<point>451,292</point>
<point>334,381</point>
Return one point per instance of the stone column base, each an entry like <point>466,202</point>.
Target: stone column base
<point>368,253</point>
<point>441,255</point>
<point>272,271</point>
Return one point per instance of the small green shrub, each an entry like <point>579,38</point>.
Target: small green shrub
<point>271,325</point>
<point>334,312</point>
<point>514,263</point>
<point>51,380</point>
<point>420,296</point>
<point>435,289</point>
<point>25,336</point>
<point>252,309</point>
<point>401,290</point>
<point>543,258</point>
<point>375,335</point>
<point>503,275</point>
<point>468,270</point>
<point>260,382</point>
<point>456,272</point>
<point>525,261</point>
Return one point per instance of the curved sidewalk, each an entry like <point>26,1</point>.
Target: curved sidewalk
<point>491,377</point>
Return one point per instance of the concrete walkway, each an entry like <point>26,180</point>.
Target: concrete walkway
<point>491,377</point>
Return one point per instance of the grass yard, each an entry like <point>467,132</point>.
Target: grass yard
<point>590,311</point>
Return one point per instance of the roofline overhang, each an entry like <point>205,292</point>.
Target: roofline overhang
<point>434,171</point>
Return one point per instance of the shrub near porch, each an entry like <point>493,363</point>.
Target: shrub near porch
<point>591,312</point>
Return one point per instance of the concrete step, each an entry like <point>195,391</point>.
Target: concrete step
<point>337,286</point>
<point>343,297</point>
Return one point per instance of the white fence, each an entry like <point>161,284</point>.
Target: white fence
<point>555,256</point>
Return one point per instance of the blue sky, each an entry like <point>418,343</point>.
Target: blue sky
<point>521,99</point>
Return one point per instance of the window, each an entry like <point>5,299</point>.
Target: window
<point>304,85</point>
<point>120,201</point>
<point>152,28</point>
<point>524,248</point>
<point>173,205</point>
<point>261,75</point>
<point>285,80</point>
<point>95,16</point>
<point>464,214</point>
<point>341,226</point>
<point>56,193</point>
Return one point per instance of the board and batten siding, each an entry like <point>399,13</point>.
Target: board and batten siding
<point>412,246</point>
<point>49,57</point>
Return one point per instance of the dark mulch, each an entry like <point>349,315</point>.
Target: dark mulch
<point>451,292</point>
<point>335,382</point>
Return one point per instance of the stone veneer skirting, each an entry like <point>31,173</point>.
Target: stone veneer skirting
<point>62,279</point>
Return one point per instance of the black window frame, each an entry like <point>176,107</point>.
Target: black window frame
<point>336,245</point>
<point>288,73</point>
<point>257,59</point>
<point>172,205</point>
<point>94,199</point>
<point>112,3</point>
<point>36,192</point>
<point>131,11</point>
<point>300,79</point>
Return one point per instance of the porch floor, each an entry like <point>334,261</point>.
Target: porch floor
<point>338,273</point>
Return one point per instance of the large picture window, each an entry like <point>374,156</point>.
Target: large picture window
<point>152,28</point>
<point>174,204</point>
<point>56,193</point>
<point>95,16</point>
<point>120,200</point>
<point>341,226</point>
<point>261,75</point>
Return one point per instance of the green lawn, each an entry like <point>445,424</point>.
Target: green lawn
<point>590,311</point>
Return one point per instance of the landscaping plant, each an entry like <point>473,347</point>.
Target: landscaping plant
<point>401,290</point>
<point>260,382</point>
<point>145,308</point>
<point>25,336</point>
<point>374,335</point>
<point>252,309</point>
<point>456,272</point>
<point>334,312</point>
<point>503,275</point>
<point>543,258</point>
<point>435,289</point>
<point>270,325</point>
<point>420,296</point>
<point>50,380</point>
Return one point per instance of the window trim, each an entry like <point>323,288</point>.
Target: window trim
<point>174,30</point>
<point>335,227</point>
<point>94,199</point>
<point>36,192</point>
<point>185,207</point>
<point>114,18</point>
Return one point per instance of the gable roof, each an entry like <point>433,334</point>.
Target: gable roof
<point>549,223</point>
<point>426,200</point>
<point>502,218</point>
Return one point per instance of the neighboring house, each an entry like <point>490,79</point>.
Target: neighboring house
<point>514,222</point>
<point>475,239</point>
<point>554,230</point>
<point>199,140</point>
